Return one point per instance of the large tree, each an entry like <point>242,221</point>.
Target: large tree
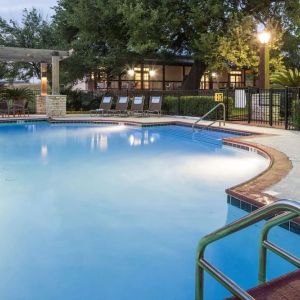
<point>96,31</point>
<point>108,33</point>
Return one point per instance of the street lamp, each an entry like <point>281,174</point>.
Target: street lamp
<point>264,69</point>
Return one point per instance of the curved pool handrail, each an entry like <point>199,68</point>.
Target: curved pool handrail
<point>208,113</point>
<point>280,206</point>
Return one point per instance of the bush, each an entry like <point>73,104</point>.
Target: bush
<point>81,101</point>
<point>193,105</point>
<point>296,114</point>
<point>11,93</point>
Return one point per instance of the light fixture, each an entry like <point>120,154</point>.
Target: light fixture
<point>264,37</point>
<point>44,81</point>
<point>130,72</point>
<point>152,73</point>
<point>214,74</point>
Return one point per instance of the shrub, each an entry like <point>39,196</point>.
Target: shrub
<point>11,94</point>
<point>296,114</point>
<point>80,100</point>
<point>193,105</point>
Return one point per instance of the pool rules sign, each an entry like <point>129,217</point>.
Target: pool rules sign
<point>219,97</point>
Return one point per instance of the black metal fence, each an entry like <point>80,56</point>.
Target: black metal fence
<point>273,107</point>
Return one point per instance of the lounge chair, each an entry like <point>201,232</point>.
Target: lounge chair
<point>20,107</point>
<point>121,105</point>
<point>137,106</point>
<point>155,105</point>
<point>4,108</point>
<point>105,106</point>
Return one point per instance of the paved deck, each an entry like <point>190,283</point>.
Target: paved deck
<point>286,287</point>
<point>285,141</point>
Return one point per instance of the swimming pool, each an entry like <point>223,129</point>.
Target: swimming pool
<point>116,212</point>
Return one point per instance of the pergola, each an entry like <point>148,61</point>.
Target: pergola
<point>42,56</point>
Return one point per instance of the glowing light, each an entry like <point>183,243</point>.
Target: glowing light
<point>214,74</point>
<point>130,72</point>
<point>264,37</point>
<point>103,142</point>
<point>44,151</point>
<point>152,73</point>
<point>135,140</point>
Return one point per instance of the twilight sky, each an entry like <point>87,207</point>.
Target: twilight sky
<point>12,9</point>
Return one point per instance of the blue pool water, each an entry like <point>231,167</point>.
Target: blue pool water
<point>114,212</point>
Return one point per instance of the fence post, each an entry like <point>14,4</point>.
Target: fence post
<point>249,105</point>
<point>179,104</point>
<point>286,108</point>
<point>270,107</point>
<point>227,105</point>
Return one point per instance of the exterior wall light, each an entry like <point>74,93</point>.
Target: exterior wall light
<point>152,73</point>
<point>44,81</point>
<point>130,72</point>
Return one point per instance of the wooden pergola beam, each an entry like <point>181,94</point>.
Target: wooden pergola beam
<point>12,54</point>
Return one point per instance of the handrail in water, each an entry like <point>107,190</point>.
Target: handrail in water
<point>208,113</point>
<point>286,209</point>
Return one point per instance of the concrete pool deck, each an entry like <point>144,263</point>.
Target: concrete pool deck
<point>285,141</point>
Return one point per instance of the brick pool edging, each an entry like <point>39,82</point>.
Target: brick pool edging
<point>249,195</point>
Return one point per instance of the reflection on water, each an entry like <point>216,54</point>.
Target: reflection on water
<point>139,138</point>
<point>99,141</point>
<point>30,127</point>
<point>44,151</point>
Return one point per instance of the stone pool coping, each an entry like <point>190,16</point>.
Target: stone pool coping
<point>248,195</point>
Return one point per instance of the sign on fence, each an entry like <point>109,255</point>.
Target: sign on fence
<point>219,97</point>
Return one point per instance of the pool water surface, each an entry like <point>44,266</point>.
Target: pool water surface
<point>115,212</point>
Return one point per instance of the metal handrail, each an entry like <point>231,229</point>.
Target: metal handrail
<point>209,112</point>
<point>293,209</point>
<point>267,245</point>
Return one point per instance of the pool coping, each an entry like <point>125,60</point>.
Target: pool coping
<point>248,195</point>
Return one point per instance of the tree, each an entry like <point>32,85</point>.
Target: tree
<point>95,30</point>
<point>33,32</point>
<point>109,33</point>
<point>179,27</point>
<point>289,78</point>
<point>239,47</point>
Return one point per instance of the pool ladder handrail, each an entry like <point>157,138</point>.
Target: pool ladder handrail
<point>286,209</point>
<point>208,113</point>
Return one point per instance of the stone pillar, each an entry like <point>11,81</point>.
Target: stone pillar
<point>56,106</point>
<point>40,105</point>
<point>55,74</point>
<point>44,83</point>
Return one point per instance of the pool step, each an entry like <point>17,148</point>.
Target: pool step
<point>286,287</point>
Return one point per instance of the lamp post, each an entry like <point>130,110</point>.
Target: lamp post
<point>264,70</point>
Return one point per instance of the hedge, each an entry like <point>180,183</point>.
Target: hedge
<point>81,101</point>
<point>296,114</point>
<point>193,105</point>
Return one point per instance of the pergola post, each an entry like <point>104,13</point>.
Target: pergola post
<point>55,73</point>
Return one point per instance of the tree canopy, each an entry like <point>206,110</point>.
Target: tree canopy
<point>108,34</point>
